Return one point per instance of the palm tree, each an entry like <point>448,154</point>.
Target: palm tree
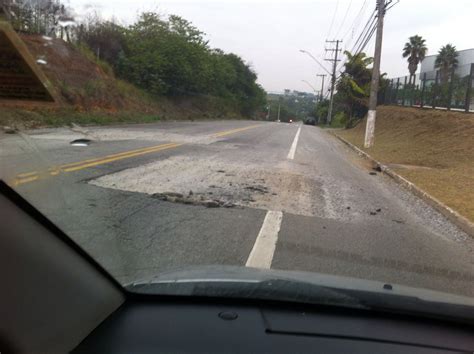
<point>446,61</point>
<point>415,50</point>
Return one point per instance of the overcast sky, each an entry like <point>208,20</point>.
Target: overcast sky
<point>268,34</point>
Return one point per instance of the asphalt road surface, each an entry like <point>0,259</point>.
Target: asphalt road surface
<point>146,199</point>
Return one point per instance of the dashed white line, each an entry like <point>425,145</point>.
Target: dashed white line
<point>291,154</point>
<point>262,252</point>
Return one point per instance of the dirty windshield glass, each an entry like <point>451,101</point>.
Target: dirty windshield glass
<point>236,140</point>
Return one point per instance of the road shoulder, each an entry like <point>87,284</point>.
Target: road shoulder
<point>459,220</point>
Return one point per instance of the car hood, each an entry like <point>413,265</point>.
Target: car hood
<point>305,287</point>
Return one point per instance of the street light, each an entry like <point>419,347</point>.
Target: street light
<point>316,60</point>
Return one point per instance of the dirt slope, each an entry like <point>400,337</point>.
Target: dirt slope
<point>433,149</point>
<point>82,81</point>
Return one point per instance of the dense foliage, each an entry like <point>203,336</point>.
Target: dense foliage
<point>171,57</point>
<point>293,105</point>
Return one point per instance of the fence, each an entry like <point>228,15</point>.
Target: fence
<point>434,89</point>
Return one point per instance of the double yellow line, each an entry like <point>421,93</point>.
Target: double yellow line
<point>28,177</point>
<point>23,178</point>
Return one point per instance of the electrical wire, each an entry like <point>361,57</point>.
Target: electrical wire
<point>344,19</point>
<point>369,37</point>
<point>364,37</point>
<point>354,27</point>
<point>333,19</point>
<point>365,31</point>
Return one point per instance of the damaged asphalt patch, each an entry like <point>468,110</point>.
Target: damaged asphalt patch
<point>211,182</point>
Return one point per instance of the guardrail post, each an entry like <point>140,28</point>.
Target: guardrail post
<point>467,106</point>
<point>422,100</point>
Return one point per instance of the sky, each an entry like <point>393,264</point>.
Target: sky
<point>269,34</point>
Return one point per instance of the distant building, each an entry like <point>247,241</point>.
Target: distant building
<point>465,58</point>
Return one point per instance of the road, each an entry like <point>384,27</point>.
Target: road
<point>145,199</point>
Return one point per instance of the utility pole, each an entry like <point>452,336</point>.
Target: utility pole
<point>268,114</point>
<point>333,79</point>
<point>374,87</point>
<point>322,86</point>
<point>278,112</point>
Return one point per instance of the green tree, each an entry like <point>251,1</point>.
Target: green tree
<point>446,61</point>
<point>171,57</point>
<point>165,57</point>
<point>353,86</point>
<point>415,51</point>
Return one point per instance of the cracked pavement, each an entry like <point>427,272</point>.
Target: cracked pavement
<point>203,203</point>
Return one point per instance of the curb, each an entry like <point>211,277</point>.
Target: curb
<point>460,221</point>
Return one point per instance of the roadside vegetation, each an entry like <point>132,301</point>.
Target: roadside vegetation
<point>295,105</point>
<point>145,67</point>
<point>353,84</point>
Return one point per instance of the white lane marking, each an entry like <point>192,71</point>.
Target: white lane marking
<point>291,154</point>
<point>262,252</point>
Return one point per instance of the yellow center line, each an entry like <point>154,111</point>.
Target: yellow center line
<point>100,162</point>
<point>27,177</point>
<point>56,169</point>
<point>233,131</point>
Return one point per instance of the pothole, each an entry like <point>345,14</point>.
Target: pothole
<point>81,142</point>
<point>193,199</point>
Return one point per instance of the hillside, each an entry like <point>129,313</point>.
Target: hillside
<point>87,91</point>
<point>433,149</point>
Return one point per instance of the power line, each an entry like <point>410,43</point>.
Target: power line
<point>367,28</point>
<point>353,27</point>
<point>367,33</point>
<point>362,40</point>
<point>371,33</point>
<point>362,46</point>
<point>357,20</point>
<point>344,19</point>
<point>333,18</point>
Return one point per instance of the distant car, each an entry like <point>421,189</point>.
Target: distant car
<point>290,121</point>
<point>310,121</point>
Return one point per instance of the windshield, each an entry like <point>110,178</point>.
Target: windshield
<point>195,141</point>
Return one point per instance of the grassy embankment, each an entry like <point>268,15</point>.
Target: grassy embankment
<point>433,149</point>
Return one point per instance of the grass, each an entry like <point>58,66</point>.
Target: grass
<point>29,119</point>
<point>435,149</point>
